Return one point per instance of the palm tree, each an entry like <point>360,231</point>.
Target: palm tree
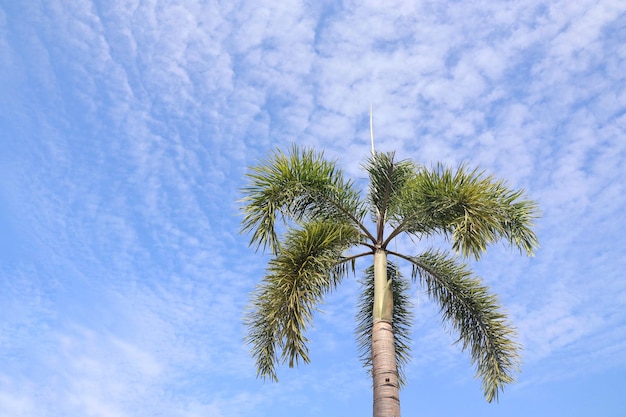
<point>316,224</point>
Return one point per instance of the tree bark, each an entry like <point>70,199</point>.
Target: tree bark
<point>384,371</point>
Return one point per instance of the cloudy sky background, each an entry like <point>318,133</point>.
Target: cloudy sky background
<point>126,128</point>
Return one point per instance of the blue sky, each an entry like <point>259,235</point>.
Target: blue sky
<point>126,128</point>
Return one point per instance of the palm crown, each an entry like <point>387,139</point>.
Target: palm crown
<point>300,207</point>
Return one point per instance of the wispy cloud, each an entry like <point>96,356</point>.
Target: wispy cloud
<point>129,127</point>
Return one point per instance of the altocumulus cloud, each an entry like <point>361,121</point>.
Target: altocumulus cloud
<point>127,128</point>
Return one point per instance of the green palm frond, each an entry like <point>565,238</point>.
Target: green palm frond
<point>307,267</point>
<point>298,186</point>
<point>474,209</point>
<point>387,179</point>
<point>474,313</point>
<point>402,319</point>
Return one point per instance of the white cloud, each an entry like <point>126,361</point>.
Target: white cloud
<point>137,122</point>
<point>13,403</point>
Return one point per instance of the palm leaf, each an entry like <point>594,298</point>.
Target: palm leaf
<point>387,180</point>
<point>472,208</point>
<point>475,314</point>
<point>298,186</point>
<point>306,268</point>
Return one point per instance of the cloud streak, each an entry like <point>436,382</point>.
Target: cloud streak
<point>128,128</point>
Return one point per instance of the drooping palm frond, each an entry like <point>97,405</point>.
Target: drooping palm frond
<point>402,318</point>
<point>474,314</point>
<point>299,276</point>
<point>297,186</point>
<point>474,209</point>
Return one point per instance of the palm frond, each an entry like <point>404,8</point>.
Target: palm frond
<point>387,179</point>
<point>402,319</point>
<point>298,186</point>
<point>475,314</point>
<point>307,267</point>
<point>472,208</point>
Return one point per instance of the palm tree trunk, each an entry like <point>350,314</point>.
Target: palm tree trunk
<point>384,371</point>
